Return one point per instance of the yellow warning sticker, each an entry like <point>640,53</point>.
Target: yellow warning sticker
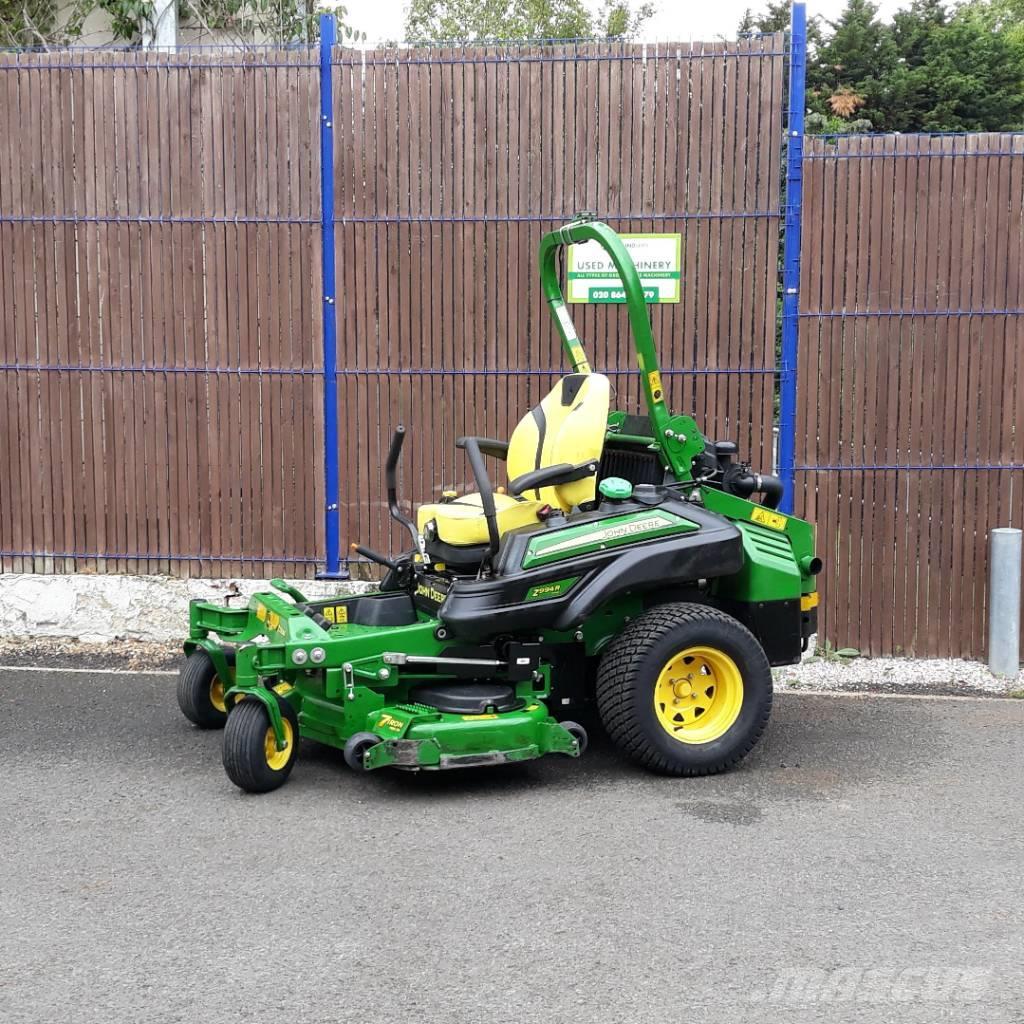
<point>773,520</point>
<point>654,380</point>
<point>476,718</point>
<point>336,613</point>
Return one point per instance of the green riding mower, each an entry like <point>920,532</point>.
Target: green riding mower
<point>623,565</point>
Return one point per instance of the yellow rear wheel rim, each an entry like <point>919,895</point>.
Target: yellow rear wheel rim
<point>698,695</point>
<point>277,759</point>
<point>217,695</point>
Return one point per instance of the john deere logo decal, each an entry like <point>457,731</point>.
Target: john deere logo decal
<point>431,593</point>
<point>610,533</point>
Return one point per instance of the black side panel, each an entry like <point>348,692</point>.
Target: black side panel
<point>489,607</point>
<point>383,609</point>
<point>776,624</point>
<point>462,555</point>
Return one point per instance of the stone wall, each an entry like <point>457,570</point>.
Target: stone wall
<point>101,608</point>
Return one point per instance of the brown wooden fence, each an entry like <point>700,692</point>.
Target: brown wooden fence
<point>161,374</point>
<point>160,398</point>
<point>161,378</point>
<point>450,166</point>
<point>911,381</point>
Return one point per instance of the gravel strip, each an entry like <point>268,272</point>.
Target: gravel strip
<point>897,675</point>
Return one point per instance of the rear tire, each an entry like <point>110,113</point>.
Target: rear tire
<point>251,758</point>
<point>201,691</point>
<point>685,690</point>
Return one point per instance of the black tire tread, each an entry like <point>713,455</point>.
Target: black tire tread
<point>194,680</point>
<point>243,747</point>
<point>616,698</point>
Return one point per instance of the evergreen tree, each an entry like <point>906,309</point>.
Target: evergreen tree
<point>940,66</point>
<point>775,18</point>
<point>853,70</point>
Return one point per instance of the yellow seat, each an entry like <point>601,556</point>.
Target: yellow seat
<point>567,428</point>
<point>462,521</point>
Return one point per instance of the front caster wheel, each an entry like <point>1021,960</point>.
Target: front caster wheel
<point>251,757</point>
<point>578,733</point>
<point>201,690</point>
<point>356,747</point>
<point>685,690</point>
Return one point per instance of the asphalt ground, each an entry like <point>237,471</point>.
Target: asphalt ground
<point>865,864</point>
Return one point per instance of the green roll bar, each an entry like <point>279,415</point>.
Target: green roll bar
<point>676,436</point>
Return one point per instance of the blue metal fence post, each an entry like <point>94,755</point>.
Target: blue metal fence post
<point>791,254</point>
<point>332,491</point>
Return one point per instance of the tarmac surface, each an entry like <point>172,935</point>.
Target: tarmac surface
<point>865,864</point>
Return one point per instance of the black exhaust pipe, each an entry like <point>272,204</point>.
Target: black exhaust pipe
<point>771,487</point>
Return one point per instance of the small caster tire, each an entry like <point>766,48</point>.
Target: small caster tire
<point>201,690</point>
<point>578,733</point>
<point>356,747</point>
<point>251,758</point>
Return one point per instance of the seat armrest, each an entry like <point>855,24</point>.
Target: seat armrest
<point>483,486</point>
<point>551,476</point>
<point>487,446</point>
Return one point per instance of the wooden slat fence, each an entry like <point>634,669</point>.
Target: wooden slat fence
<point>160,401</point>
<point>160,383</point>
<point>911,381</point>
<point>451,164</point>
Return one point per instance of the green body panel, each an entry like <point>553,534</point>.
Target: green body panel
<point>428,737</point>
<point>613,532</point>
<point>774,559</point>
<point>225,673</point>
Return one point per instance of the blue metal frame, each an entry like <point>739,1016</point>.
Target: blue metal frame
<point>332,482</point>
<point>791,255</point>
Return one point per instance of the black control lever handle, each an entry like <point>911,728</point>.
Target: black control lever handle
<point>391,478</point>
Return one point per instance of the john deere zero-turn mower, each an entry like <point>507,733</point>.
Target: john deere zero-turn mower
<point>624,564</point>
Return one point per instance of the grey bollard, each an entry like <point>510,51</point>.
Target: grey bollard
<point>1004,555</point>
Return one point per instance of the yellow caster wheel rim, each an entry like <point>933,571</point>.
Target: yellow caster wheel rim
<point>698,695</point>
<point>277,759</point>
<point>217,695</point>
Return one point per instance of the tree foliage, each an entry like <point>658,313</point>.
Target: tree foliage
<point>938,66</point>
<point>433,20</point>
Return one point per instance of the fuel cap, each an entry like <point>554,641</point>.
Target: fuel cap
<point>614,488</point>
